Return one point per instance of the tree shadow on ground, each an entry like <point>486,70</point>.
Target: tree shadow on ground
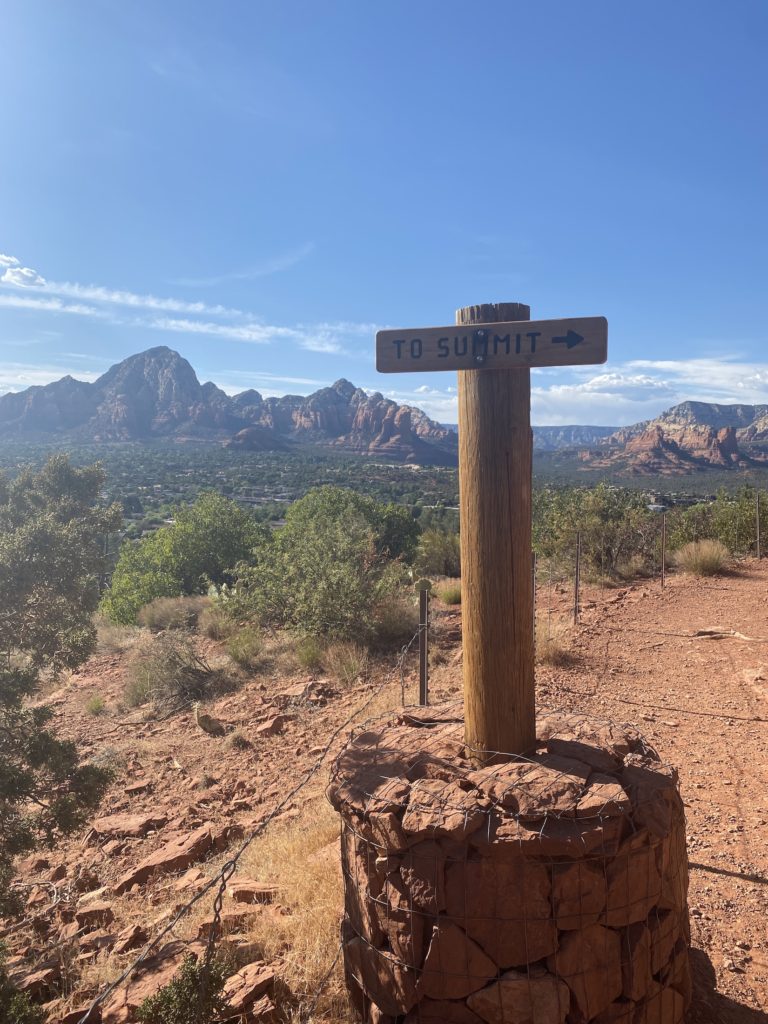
<point>710,1006</point>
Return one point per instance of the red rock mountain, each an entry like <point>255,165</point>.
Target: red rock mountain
<point>689,437</point>
<point>156,394</point>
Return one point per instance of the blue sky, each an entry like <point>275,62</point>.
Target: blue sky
<point>260,185</point>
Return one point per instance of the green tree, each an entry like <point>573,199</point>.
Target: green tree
<point>327,571</point>
<point>185,557</point>
<point>52,535</point>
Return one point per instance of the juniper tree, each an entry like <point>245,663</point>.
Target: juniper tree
<point>52,538</point>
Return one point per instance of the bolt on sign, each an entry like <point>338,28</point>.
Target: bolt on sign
<point>493,347</point>
<point>502,346</point>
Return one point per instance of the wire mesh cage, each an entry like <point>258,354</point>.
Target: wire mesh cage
<point>549,889</point>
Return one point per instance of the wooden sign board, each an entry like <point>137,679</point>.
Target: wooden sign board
<point>496,346</point>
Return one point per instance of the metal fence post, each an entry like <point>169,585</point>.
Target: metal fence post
<point>577,582</point>
<point>423,587</point>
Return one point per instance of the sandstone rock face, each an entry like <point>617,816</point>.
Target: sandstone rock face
<point>536,890</point>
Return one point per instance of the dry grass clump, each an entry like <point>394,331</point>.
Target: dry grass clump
<point>310,653</point>
<point>168,671</point>
<point>347,662</point>
<point>96,705</point>
<point>552,643</point>
<point>214,623</point>
<point>114,639</point>
<point>245,646</point>
<point>702,557</point>
<point>450,592</point>
<point>172,612</point>
<point>303,861</point>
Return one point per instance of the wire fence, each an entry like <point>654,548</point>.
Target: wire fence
<point>217,885</point>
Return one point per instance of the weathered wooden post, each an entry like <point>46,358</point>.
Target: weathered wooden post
<point>495,466</point>
<point>493,346</point>
<point>663,549</point>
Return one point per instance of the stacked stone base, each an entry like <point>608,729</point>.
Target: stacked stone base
<point>546,890</point>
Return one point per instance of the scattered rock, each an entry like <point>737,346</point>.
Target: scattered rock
<point>274,726</point>
<point>243,989</point>
<point>245,890</point>
<point>131,826</point>
<point>176,855</point>
<point>130,938</point>
<point>40,984</point>
<point>94,914</point>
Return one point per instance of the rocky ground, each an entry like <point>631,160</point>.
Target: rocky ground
<point>182,801</point>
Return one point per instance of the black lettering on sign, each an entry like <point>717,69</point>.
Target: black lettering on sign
<point>533,335</point>
<point>416,348</point>
<point>399,342</point>
<point>443,349</point>
<point>517,344</point>
<point>497,342</point>
<point>460,346</point>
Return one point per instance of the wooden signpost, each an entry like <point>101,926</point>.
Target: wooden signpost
<point>493,347</point>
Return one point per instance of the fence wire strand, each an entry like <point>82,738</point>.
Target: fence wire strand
<point>224,874</point>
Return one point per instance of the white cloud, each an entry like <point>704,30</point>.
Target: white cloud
<point>320,344</point>
<point>22,277</point>
<point>120,297</point>
<point>8,261</point>
<point>274,265</point>
<point>18,376</point>
<point>258,334</point>
<point>49,305</point>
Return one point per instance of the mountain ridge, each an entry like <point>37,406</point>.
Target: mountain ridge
<point>156,394</point>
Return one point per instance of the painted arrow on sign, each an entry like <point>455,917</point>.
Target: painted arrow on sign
<point>571,339</point>
<point>514,345</point>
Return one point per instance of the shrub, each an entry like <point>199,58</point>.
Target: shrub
<point>169,672</point>
<point>189,998</point>
<point>450,593</point>
<point>214,622</point>
<point>310,654</point>
<point>438,554</point>
<point>395,620</point>
<point>96,705</point>
<point>327,571</point>
<point>52,532</point>
<point>347,662</point>
<point>245,646</point>
<point>16,1007</point>
<point>199,547</point>
<point>238,741</point>
<point>172,613</point>
<point>702,557</point>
